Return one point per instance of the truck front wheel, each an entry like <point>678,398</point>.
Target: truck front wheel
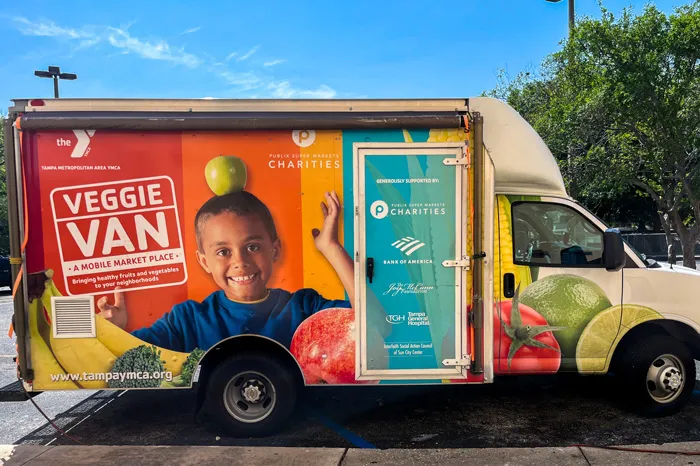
<point>658,375</point>
<point>251,394</point>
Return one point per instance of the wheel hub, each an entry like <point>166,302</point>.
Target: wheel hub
<point>253,391</point>
<point>250,397</point>
<point>665,378</point>
<point>672,379</point>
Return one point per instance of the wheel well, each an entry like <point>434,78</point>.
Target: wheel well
<point>673,328</point>
<point>239,344</point>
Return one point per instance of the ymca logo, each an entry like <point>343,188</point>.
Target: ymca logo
<point>82,147</point>
<point>408,245</point>
<point>303,137</point>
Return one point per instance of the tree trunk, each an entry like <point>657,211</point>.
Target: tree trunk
<point>688,242</point>
<point>666,224</point>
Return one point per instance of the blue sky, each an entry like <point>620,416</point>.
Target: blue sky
<point>317,49</point>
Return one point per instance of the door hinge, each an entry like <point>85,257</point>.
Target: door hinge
<point>459,161</point>
<point>464,263</point>
<point>464,362</point>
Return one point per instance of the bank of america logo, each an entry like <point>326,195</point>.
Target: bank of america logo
<point>408,245</point>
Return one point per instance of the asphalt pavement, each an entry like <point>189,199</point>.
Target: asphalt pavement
<point>22,418</point>
<point>526,412</point>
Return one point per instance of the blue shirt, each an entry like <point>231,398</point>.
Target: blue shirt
<point>191,324</point>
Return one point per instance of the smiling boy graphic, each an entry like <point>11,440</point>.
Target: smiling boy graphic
<point>238,245</point>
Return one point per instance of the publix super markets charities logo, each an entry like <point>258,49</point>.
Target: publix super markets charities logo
<point>380,209</point>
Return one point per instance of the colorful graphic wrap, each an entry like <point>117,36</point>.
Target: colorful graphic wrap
<point>176,241</point>
<point>146,249</point>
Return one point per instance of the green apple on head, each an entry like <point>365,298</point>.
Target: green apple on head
<point>226,174</point>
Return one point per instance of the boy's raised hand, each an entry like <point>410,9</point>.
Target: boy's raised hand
<point>327,238</point>
<point>327,243</point>
<point>115,313</point>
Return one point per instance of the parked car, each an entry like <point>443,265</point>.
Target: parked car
<point>5,272</point>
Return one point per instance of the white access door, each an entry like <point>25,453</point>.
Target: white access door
<point>410,265</point>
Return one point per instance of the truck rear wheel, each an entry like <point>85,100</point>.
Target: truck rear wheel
<point>251,394</point>
<point>658,375</point>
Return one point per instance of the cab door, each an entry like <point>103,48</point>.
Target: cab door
<point>551,263</point>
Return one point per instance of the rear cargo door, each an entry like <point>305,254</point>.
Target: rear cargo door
<point>410,267</point>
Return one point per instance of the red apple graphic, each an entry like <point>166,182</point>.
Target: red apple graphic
<point>324,346</point>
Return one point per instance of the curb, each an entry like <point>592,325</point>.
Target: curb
<point>33,455</point>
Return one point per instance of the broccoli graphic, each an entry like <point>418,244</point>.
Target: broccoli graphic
<point>190,365</point>
<point>188,368</point>
<point>137,361</point>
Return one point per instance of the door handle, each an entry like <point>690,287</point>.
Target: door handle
<point>509,285</point>
<point>370,269</point>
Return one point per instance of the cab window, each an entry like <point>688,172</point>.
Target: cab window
<point>554,235</point>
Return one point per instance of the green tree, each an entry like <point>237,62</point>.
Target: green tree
<point>619,106</point>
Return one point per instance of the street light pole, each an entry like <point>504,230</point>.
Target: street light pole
<point>572,14</point>
<point>571,17</point>
<point>569,149</point>
<point>54,72</point>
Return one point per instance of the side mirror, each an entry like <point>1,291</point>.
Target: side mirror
<point>614,255</point>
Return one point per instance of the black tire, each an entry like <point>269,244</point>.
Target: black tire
<point>638,379</point>
<point>274,382</point>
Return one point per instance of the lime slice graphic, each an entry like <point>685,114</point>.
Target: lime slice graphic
<point>604,331</point>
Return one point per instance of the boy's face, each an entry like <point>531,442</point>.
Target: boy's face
<point>239,254</point>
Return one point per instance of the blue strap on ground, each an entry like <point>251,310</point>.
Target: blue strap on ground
<point>351,437</point>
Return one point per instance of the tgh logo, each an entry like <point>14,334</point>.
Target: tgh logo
<point>395,319</point>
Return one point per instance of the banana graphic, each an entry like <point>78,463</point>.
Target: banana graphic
<point>80,355</point>
<point>44,363</point>
<point>119,341</point>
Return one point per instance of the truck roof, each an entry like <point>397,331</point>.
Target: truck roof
<point>523,163</point>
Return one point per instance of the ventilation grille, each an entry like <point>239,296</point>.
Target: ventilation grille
<point>73,317</point>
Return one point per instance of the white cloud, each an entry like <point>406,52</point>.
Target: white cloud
<point>116,37</point>
<point>155,51</point>
<point>284,90</point>
<point>48,29</point>
<point>248,54</point>
<point>122,42</point>
<point>273,63</point>
<point>246,81</point>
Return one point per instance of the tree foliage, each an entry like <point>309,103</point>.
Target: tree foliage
<point>619,106</point>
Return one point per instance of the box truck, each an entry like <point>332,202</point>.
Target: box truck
<point>252,248</point>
